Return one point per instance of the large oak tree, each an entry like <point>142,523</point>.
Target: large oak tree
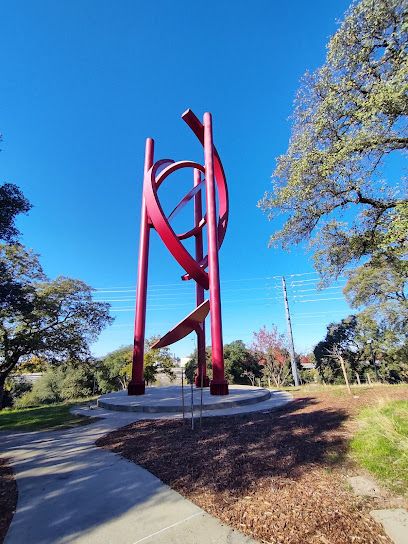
<point>53,319</point>
<point>333,184</point>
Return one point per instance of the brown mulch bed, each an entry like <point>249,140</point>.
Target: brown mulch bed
<point>8,497</point>
<point>279,477</point>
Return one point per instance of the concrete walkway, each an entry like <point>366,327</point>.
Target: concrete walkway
<point>70,491</point>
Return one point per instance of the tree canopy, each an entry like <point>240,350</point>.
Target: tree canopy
<point>70,380</point>
<point>240,363</point>
<point>269,348</point>
<point>12,203</point>
<point>115,370</point>
<point>359,339</point>
<point>350,121</point>
<point>380,287</point>
<point>343,339</point>
<point>157,360</point>
<point>53,319</point>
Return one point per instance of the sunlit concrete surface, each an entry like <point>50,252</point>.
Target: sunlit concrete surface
<point>170,399</point>
<point>70,491</point>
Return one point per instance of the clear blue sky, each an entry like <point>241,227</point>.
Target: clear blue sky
<point>84,83</point>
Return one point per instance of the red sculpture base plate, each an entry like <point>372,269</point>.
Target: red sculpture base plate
<point>220,388</point>
<point>206,381</point>
<point>136,388</point>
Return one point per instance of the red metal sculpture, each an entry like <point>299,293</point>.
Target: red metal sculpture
<point>152,216</point>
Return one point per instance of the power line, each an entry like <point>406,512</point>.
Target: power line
<point>131,287</point>
<point>181,294</point>
<point>266,301</point>
<point>308,290</point>
<point>310,324</point>
<point>316,295</point>
<point>181,283</point>
<point>319,300</point>
<point>308,314</point>
<point>314,280</point>
<point>178,295</point>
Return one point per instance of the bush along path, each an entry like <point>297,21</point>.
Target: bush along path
<point>279,477</point>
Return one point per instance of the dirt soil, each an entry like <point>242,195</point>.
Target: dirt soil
<point>279,477</point>
<point>8,497</point>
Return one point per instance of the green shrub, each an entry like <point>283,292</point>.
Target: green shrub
<point>15,388</point>
<point>58,384</point>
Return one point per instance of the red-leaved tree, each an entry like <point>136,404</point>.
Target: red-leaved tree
<point>269,347</point>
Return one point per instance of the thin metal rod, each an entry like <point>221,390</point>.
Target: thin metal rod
<point>201,402</point>
<point>192,408</point>
<point>182,389</point>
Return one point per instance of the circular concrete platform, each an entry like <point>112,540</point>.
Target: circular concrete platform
<point>169,399</point>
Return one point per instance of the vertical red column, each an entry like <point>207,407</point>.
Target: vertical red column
<point>198,214</point>
<point>218,385</point>
<point>137,383</point>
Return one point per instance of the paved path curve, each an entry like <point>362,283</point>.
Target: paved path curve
<point>70,491</point>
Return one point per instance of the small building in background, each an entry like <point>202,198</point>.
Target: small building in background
<point>306,364</point>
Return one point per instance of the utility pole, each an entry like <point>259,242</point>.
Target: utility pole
<point>291,348</point>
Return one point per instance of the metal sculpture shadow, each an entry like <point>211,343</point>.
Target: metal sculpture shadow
<point>153,216</point>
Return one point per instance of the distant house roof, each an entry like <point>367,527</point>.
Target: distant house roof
<point>305,362</point>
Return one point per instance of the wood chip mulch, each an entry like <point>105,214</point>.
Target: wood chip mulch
<point>279,477</point>
<point>8,497</point>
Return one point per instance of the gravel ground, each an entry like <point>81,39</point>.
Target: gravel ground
<point>279,477</point>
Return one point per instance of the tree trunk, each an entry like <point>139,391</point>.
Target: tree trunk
<point>2,381</point>
<point>123,383</point>
<point>9,364</point>
<point>343,367</point>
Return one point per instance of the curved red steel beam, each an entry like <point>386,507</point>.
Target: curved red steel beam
<point>162,225</point>
<point>193,232</point>
<point>189,324</point>
<point>197,127</point>
<point>162,164</point>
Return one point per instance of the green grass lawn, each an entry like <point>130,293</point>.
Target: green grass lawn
<point>55,416</point>
<point>381,444</point>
